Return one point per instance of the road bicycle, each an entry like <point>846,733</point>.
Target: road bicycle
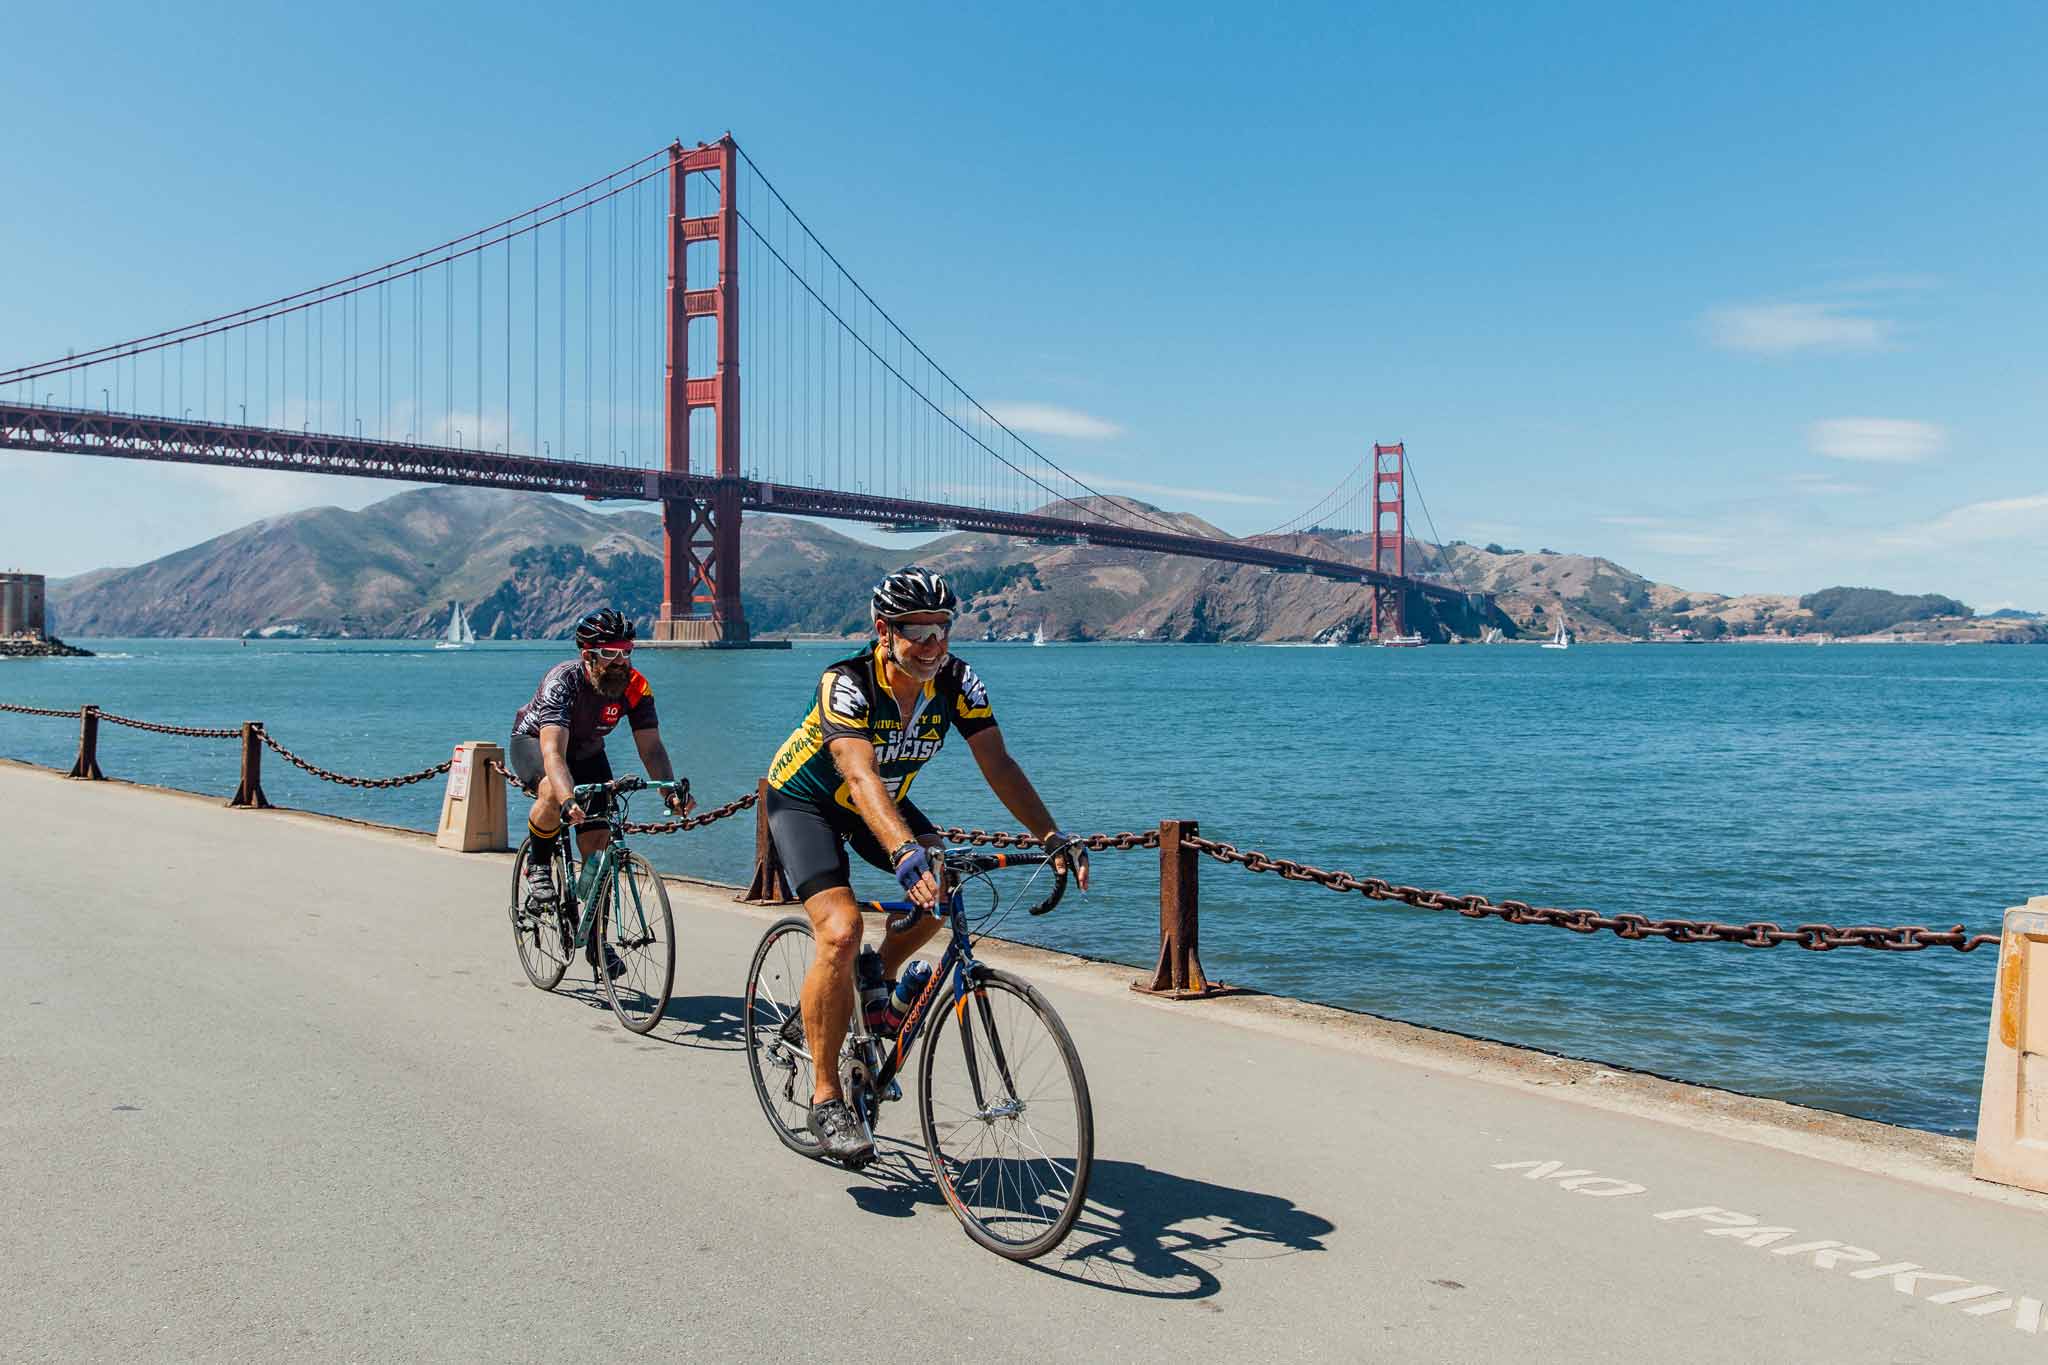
<point>1005,1114</point>
<point>613,899</point>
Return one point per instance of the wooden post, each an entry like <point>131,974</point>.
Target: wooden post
<point>771,884</point>
<point>1179,973</point>
<point>249,796</point>
<point>87,766</point>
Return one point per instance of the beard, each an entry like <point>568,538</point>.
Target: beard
<point>612,679</point>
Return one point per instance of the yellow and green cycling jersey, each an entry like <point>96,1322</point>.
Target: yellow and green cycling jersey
<point>851,701</point>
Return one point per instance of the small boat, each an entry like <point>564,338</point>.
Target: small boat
<point>1561,640</point>
<point>1038,635</point>
<point>1410,641</point>
<point>458,633</point>
<point>1492,636</point>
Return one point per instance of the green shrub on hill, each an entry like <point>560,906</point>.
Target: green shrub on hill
<point>1862,611</point>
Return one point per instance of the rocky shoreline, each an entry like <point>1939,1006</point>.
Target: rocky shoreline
<point>47,648</point>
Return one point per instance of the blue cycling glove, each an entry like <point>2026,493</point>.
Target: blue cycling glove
<point>913,864</point>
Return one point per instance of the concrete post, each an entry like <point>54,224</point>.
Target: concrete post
<point>1179,973</point>
<point>87,765</point>
<point>473,804</point>
<point>249,795</point>
<point>2012,1114</point>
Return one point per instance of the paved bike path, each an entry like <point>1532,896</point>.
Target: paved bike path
<point>276,1087</point>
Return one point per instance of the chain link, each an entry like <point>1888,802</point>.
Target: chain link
<point>405,780</point>
<point>187,731</point>
<point>1819,938</point>
<point>674,826</point>
<point>36,711</point>
<point>1095,843</point>
<point>652,827</point>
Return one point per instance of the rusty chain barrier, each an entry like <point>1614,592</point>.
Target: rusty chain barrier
<point>733,807</point>
<point>36,711</point>
<point>1819,938</point>
<point>1177,840</point>
<point>1094,843</point>
<point>184,731</point>
<point>403,780</point>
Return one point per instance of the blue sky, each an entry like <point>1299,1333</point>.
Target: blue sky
<point>1743,298</point>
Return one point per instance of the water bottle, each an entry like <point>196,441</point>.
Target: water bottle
<point>908,988</point>
<point>874,989</point>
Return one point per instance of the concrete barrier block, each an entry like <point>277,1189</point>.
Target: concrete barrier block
<point>2012,1116</point>
<point>473,807</point>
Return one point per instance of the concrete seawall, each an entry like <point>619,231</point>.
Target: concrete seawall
<point>281,1087</point>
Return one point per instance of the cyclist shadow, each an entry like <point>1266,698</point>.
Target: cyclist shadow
<point>713,1022</point>
<point>1143,1232</point>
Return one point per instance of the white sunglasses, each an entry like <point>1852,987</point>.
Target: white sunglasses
<point>923,634</point>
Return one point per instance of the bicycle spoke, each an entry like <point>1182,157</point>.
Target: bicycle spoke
<point>1007,1120</point>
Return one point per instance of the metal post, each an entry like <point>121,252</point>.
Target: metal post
<point>88,764</point>
<point>771,884</point>
<point>249,796</point>
<point>1179,973</point>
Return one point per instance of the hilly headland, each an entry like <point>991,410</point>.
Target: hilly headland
<point>525,566</point>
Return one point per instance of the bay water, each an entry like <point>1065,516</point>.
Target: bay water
<point>1846,785</point>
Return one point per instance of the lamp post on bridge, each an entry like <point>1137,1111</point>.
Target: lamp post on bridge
<point>700,603</point>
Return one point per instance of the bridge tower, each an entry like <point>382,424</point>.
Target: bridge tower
<point>700,600</point>
<point>1389,537</point>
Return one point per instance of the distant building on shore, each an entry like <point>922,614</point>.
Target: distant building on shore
<point>21,605</point>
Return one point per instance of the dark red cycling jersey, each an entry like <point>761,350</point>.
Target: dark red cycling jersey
<point>568,698</point>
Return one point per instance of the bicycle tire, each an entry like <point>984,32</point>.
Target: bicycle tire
<point>783,1081</point>
<point>538,936</point>
<point>1019,1229</point>
<point>640,928</point>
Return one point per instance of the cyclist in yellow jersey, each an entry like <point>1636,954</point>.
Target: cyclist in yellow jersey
<point>842,779</point>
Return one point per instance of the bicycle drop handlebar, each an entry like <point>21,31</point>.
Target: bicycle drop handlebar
<point>974,862</point>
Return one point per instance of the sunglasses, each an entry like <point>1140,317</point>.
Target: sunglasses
<point>923,634</point>
<point>611,656</point>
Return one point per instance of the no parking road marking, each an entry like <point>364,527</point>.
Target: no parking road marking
<point>1961,1292</point>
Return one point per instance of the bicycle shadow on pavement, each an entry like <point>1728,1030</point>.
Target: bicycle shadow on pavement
<point>716,1022</point>
<point>1144,1232</point>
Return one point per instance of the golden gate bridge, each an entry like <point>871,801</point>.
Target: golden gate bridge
<point>595,345</point>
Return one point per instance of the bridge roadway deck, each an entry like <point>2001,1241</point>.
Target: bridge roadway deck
<point>276,1088</point>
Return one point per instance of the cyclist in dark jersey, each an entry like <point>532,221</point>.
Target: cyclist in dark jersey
<point>558,740</point>
<point>842,779</point>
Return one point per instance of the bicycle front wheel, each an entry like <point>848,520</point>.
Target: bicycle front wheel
<point>634,922</point>
<point>1007,1121</point>
<point>538,933</point>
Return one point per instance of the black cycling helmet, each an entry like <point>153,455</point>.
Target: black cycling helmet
<point>603,627</point>
<point>912,589</point>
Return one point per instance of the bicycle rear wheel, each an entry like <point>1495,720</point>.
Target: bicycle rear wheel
<point>633,920</point>
<point>538,934</point>
<point>778,1054</point>
<point>1007,1121</point>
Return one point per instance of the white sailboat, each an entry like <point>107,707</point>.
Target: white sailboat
<point>458,633</point>
<point>1562,639</point>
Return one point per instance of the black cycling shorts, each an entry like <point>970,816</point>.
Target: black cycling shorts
<point>522,756</point>
<point>812,842</point>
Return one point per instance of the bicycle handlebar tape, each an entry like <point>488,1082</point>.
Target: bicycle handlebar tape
<point>2012,1116</point>
<point>473,806</point>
